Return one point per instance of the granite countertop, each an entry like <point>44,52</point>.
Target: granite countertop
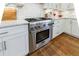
<point>12,23</point>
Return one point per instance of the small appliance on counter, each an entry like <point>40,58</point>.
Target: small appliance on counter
<point>9,14</point>
<point>40,32</point>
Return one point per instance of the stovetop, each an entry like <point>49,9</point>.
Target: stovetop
<point>32,19</point>
<point>36,19</point>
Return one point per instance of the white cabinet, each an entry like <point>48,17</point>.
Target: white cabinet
<point>67,26</point>
<point>15,45</point>
<point>1,47</point>
<point>60,6</point>
<point>47,5</point>
<point>71,27</point>
<point>52,5</point>
<point>75,28</point>
<point>14,41</point>
<point>67,6</point>
<point>57,27</point>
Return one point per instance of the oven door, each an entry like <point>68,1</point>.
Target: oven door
<point>42,35</point>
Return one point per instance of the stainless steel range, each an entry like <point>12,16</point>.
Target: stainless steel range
<point>40,32</point>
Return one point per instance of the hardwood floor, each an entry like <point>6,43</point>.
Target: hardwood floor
<point>63,45</point>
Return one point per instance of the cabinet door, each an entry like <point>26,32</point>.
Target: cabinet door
<point>52,5</point>
<point>1,47</point>
<point>47,5</point>
<point>58,6</point>
<point>75,28</point>
<point>16,45</point>
<point>67,6</point>
<point>57,27</point>
<point>61,25</point>
<point>68,26</point>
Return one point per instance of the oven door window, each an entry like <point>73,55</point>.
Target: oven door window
<point>40,36</point>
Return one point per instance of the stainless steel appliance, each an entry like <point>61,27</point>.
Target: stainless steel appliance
<point>40,32</point>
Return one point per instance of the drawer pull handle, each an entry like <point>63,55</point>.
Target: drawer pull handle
<point>3,33</point>
<point>5,45</point>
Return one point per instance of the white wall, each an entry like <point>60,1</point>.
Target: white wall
<point>29,10</point>
<point>2,6</point>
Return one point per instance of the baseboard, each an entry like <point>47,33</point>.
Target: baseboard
<point>72,35</point>
<point>58,35</point>
<point>67,34</point>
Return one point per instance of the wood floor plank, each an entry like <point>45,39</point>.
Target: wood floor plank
<point>63,45</point>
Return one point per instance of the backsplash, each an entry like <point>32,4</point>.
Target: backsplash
<point>30,10</point>
<point>59,10</point>
<point>58,14</point>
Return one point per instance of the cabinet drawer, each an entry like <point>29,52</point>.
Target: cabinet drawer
<point>56,34</point>
<point>57,25</point>
<point>12,30</point>
<point>57,21</point>
<point>56,31</point>
<point>17,35</point>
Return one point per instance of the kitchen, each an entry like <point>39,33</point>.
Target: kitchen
<point>36,26</point>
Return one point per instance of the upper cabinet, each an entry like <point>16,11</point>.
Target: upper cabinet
<point>67,6</point>
<point>17,5</point>
<point>59,10</point>
<point>52,5</point>
<point>60,6</point>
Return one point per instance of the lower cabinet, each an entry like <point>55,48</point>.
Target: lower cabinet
<point>14,41</point>
<point>68,26</point>
<point>57,27</point>
<point>71,27</point>
<point>75,28</point>
<point>14,45</point>
<point>1,47</point>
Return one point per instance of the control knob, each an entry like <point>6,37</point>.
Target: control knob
<point>32,29</point>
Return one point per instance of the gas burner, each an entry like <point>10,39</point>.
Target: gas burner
<point>32,19</point>
<point>43,18</point>
<point>37,19</point>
